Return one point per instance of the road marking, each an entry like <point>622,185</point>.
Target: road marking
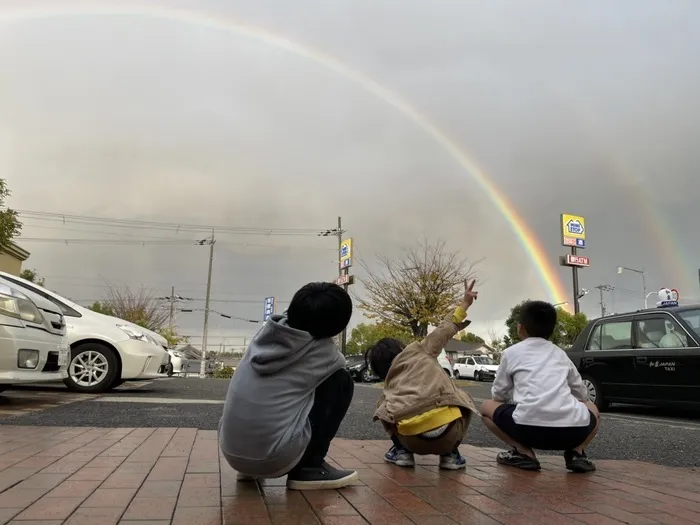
<point>653,421</point>
<point>158,400</point>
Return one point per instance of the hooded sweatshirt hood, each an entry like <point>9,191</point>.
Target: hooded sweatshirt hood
<point>278,346</point>
<point>265,428</point>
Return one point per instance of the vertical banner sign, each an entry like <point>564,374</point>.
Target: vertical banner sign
<point>346,254</point>
<point>269,308</point>
<point>573,230</point>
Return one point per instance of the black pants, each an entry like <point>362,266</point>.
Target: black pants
<point>331,403</point>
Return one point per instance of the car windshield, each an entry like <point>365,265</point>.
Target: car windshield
<point>354,359</point>
<point>484,360</point>
<point>692,319</point>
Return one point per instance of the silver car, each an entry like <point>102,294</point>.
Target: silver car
<point>32,347</point>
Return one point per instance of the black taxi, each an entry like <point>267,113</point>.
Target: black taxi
<point>649,357</point>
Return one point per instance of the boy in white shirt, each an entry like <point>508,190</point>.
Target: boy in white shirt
<point>539,400</point>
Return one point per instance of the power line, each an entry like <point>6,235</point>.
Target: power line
<point>161,242</point>
<point>171,226</point>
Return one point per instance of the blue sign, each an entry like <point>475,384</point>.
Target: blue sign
<point>344,250</point>
<point>668,304</point>
<point>269,309</point>
<point>581,243</point>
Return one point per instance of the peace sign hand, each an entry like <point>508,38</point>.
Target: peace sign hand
<point>469,294</point>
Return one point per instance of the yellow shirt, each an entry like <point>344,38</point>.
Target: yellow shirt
<point>429,420</point>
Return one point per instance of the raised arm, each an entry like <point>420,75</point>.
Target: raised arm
<point>436,340</point>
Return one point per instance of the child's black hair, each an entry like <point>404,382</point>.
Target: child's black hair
<point>538,318</point>
<point>321,309</point>
<point>382,354</point>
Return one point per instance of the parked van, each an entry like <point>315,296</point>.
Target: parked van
<point>31,348</point>
<point>104,351</point>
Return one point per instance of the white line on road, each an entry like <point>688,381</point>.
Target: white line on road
<point>159,400</point>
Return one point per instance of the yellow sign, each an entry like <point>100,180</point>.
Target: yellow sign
<point>573,230</point>
<point>346,253</point>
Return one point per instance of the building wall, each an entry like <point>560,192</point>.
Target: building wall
<point>10,264</point>
<point>12,258</point>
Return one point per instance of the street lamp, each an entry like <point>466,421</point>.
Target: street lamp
<point>646,298</point>
<point>560,304</point>
<point>621,269</point>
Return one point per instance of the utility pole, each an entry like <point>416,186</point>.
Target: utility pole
<point>172,308</point>
<point>603,288</point>
<point>203,363</point>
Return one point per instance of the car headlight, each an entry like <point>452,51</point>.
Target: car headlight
<point>132,332</point>
<point>15,304</point>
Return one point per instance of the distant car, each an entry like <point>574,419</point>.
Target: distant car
<point>356,366</point>
<point>445,363</point>
<point>178,362</point>
<point>31,348</point>
<point>477,367</point>
<point>105,351</point>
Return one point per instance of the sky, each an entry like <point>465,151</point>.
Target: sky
<point>155,113</point>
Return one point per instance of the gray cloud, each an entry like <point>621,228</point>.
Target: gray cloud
<point>590,108</point>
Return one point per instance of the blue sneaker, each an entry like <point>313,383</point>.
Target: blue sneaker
<point>453,461</point>
<point>400,457</point>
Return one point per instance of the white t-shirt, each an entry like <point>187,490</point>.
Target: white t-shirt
<point>538,377</point>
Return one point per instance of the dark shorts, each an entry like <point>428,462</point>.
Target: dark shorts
<point>542,438</point>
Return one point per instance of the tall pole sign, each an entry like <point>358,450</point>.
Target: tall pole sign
<point>269,308</point>
<point>573,236</point>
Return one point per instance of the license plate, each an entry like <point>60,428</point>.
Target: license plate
<point>62,356</point>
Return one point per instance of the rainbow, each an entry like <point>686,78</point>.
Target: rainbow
<point>547,271</point>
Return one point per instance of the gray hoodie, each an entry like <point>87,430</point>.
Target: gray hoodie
<point>265,428</point>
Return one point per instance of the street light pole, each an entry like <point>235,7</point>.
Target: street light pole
<point>621,269</point>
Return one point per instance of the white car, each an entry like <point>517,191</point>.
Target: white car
<point>104,351</point>
<point>178,362</point>
<point>445,363</point>
<point>31,348</point>
<point>477,367</point>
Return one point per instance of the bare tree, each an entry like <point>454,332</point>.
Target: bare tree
<point>417,290</point>
<point>495,341</point>
<point>140,307</point>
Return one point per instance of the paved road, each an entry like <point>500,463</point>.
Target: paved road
<point>627,433</point>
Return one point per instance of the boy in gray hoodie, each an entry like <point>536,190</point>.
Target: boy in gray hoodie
<point>290,393</point>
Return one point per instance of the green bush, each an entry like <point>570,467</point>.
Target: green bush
<point>224,373</point>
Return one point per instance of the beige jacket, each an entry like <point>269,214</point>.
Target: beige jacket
<point>416,383</point>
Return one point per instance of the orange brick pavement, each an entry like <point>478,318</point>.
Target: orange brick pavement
<point>76,476</point>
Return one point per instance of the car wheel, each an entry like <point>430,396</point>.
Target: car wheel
<point>477,376</point>
<point>458,375</point>
<point>447,372</point>
<point>595,393</point>
<point>92,369</point>
<point>366,376</point>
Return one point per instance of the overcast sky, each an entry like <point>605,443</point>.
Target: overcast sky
<point>587,107</point>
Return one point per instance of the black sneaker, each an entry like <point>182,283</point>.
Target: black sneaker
<point>324,477</point>
<point>578,463</point>
<point>513,458</point>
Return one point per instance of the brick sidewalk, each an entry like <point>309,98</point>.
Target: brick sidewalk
<point>81,476</point>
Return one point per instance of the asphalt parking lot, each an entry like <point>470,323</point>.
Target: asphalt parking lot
<point>658,436</point>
